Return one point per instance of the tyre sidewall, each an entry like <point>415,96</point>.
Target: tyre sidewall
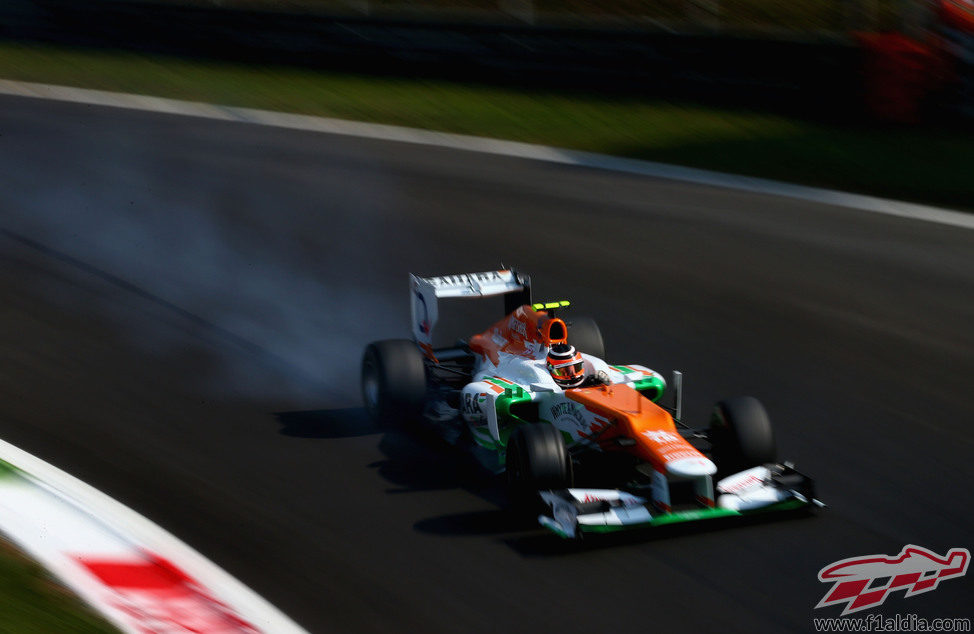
<point>741,434</point>
<point>393,381</point>
<point>537,460</point>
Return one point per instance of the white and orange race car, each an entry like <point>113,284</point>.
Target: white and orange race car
<point>601,457</point>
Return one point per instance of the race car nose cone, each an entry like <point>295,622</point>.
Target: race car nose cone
<point>691,467</point>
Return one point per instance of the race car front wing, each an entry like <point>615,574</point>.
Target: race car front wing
<point>773,487</point>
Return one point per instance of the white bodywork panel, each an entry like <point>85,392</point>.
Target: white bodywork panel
<point>565,517</point>
<point>748,490</point>
<point>531,374</point>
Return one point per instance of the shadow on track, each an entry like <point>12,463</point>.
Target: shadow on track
<point>419,459</point>
<point>491,522</point>
<point>349,422</point>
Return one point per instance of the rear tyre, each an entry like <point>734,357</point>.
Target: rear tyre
<point>584,334</point>
<point>741,434</point>
<point>536,460</point>
<point>393,381</point>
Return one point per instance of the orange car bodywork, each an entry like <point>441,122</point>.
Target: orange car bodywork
<point>617,411</point>
<point>517,331</point>
<point>657,440</point>
<point>636,417</point>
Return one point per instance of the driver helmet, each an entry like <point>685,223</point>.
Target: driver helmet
<point>566,365</point>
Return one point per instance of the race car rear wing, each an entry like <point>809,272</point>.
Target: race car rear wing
<point>425,291</point>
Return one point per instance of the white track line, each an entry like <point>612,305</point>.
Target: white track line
<point>490,146</point>
<point>140,530</point>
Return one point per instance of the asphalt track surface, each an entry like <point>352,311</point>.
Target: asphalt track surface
<point>184,305</point>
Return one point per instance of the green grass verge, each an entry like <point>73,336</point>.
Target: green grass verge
<point>30,601</point>
<point>922,164</point>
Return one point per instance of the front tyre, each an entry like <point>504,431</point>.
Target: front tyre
<point>741,434</point>
<point>393,381</point>
<point>536,460</point>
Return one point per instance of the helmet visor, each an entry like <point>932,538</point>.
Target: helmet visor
<point>566,370</point>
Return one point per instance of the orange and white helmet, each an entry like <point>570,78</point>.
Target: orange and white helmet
<point>566,365</point>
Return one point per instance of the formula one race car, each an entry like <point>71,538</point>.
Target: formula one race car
<point>532,396</point>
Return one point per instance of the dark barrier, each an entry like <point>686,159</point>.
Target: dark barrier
<point>810,75</point>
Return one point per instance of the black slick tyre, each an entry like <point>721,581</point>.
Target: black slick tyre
<point>741,434</point>
<point>536,460</point>
<point>393,381</point>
